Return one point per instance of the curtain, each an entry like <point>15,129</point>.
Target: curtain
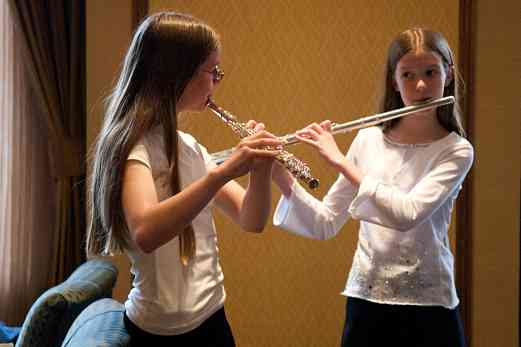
<point>26,186</point>
<point>54,42</point>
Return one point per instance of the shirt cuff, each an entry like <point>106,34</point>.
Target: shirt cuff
<point>295,214</point>
<point>283,207</point>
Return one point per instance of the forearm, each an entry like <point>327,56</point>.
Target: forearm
<point>283,179</point>
<point>256,205</point>
<point>163,221</point>
<point>403,207</point>
<point>349,171</point>
<point>304,215</point>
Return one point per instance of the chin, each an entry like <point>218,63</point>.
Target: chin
<point>197,108</point>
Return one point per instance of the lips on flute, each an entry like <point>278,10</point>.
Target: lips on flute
<point>364,122</point>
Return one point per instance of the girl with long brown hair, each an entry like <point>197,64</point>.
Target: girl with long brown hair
<point>153,187</point>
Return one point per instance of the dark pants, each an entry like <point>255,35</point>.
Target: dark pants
<point>369,324</point>
<point>214,332</point>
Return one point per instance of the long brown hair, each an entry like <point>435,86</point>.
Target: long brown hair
<point>165,53</point>
<point>414,39</point>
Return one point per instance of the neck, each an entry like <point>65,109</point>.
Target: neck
<point>418,128</point>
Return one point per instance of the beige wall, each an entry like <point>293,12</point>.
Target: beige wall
<point>288,65</point>
<point>108,36</point>
<point>495,303</point>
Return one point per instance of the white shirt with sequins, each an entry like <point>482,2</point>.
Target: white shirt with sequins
<point>404,206</point>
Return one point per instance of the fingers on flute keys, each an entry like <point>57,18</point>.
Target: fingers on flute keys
<point>254,125</point>
<point>315,133</point>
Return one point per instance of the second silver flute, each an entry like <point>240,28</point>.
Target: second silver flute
<point>296,167</point>
<point>360,123</point>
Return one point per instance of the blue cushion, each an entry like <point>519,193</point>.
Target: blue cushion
<point>99,325</point>
<point>53,312</point>
<point>8,334</point>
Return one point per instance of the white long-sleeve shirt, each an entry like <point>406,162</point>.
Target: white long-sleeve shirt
<point>404,205</point>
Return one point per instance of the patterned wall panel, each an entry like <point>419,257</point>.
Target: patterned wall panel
<point>289,63</point>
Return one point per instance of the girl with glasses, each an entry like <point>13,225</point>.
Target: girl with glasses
<point>153,187</point>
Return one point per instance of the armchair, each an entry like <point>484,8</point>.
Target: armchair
<point>52,314</point>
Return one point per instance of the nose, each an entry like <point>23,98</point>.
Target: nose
<point>420,84</point>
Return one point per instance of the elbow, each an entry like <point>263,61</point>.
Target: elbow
<point>148,234</point>
<point>253,226</point>
<point>326,236</point>
<point>405,227</point>
<point>405,224</point>
<point>256,229</point>
<point>143,243</point>
<point>329,230</point>
<point>408,217</point>
<point>141,234</point>
<point>259,229</point>
<point>143,240</point>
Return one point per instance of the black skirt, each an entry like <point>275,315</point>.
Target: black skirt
<point>215,331</point>
<point>371,324</point>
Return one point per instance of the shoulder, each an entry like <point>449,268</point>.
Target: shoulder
<point>460,141</point>
<point>187,139</point>
<point>140,153</point>
<point>456,148</point>
<point>368,136</point>
<point>373,133</point>
<point>454,143</point>
<point>188,143</point>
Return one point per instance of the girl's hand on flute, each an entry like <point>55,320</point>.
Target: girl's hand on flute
<point>262,164</point>
<point>251,154</point>
<point>319,136</point>
<point>281,176</point>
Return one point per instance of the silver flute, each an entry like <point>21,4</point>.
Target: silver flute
<point>298,168</point>
<point>364,122</point>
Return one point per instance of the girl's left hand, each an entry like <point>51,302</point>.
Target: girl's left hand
<point>261,164</point>
<point>319,136</point>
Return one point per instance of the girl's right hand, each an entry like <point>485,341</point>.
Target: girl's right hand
<point>250,154</point>
<point>320,137</point>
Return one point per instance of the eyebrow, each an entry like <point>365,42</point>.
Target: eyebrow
<point>409,68</point>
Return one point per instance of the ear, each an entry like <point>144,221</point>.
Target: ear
<point>395,85</point>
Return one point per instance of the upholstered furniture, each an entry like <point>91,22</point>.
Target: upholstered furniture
<point>53,313</point>
<point>100,324</point>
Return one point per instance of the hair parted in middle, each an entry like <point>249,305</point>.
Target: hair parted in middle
<point>418,39</point>
<point>164,55</point>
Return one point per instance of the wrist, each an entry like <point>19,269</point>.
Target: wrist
<point>350,171</point>
<point>284,180</point>
<point>262,171</point>
<point>340,163</point>
<point>218,175</point>
<point>260,180</point>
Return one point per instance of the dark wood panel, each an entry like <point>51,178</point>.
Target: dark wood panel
<point>464,227</point>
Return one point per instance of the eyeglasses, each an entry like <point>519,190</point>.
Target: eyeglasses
<point>217,73</point>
